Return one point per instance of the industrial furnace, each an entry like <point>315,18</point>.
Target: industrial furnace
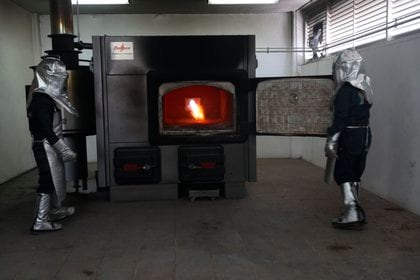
<point>181,113</point>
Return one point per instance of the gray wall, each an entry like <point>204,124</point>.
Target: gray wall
<point>271,30</point>
<point>16,55</point>
<point>393,167</point>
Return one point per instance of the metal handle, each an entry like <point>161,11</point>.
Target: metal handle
<point>193,166</point>
<point>146,167</point>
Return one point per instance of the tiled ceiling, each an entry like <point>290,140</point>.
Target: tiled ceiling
<point>168,7</point>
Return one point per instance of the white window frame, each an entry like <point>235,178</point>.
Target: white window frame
<point>371,21</point>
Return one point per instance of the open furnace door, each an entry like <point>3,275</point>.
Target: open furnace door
<point>293,106</point>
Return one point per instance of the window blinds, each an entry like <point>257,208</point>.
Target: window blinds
<point>340,25</point>
<point>404,16</point>
<point>349,23</point>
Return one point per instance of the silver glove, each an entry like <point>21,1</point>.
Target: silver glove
<point>331,146</point>
<point>64,151</point>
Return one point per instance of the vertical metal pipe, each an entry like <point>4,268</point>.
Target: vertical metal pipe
<point>61,17</point>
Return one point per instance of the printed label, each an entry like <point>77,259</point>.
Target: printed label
<point>122,51</point>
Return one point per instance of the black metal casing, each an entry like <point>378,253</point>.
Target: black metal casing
<point>201,163</point>
<point>127,105</point>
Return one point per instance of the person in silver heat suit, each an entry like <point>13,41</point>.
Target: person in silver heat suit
<point>47,97</point>
<point>349,136</point>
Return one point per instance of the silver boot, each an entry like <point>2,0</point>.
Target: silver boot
<point>357,189</point>
<point>58,211</point>
<point>42,221</point>
<point>353,215</point>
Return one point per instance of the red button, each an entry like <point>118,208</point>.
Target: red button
<point>207,165</point>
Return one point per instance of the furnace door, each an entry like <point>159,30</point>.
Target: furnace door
<point>298,106</point>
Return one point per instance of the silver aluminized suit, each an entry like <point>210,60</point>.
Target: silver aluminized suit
<point>349,136</point>
<point>47,97</point>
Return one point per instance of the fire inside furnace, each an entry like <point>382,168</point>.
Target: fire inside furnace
<point>193,105</point>
<point>198,106</point>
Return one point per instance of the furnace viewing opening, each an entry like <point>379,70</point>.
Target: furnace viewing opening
<point>197,107</point>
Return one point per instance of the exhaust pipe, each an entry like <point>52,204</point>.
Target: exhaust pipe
<point>62,38</point>
<point>61,16</point>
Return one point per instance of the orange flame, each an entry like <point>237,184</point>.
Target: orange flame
<point>195,109</point>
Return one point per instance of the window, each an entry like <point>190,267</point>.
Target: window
<point>349,23</point>
<point>340,25</point>
<point>316,23</point>
<point>405,16</point>
<point>369,21</point>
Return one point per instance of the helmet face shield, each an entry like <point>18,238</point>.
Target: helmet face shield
<point>349,67</point>
<point>51,79</point>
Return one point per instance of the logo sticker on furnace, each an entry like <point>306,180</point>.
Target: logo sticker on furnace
<point>122,51</point>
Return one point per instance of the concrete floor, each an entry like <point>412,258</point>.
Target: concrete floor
<point>281,230</point>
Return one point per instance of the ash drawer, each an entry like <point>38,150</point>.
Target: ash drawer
<point>137,165</point>
<point>201,163</point>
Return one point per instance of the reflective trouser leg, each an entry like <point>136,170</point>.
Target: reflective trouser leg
<point>41,219</point>
<point>45,181</point>
<point>353,214</point>
<point>56,165</point>
<point>58,211</point>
